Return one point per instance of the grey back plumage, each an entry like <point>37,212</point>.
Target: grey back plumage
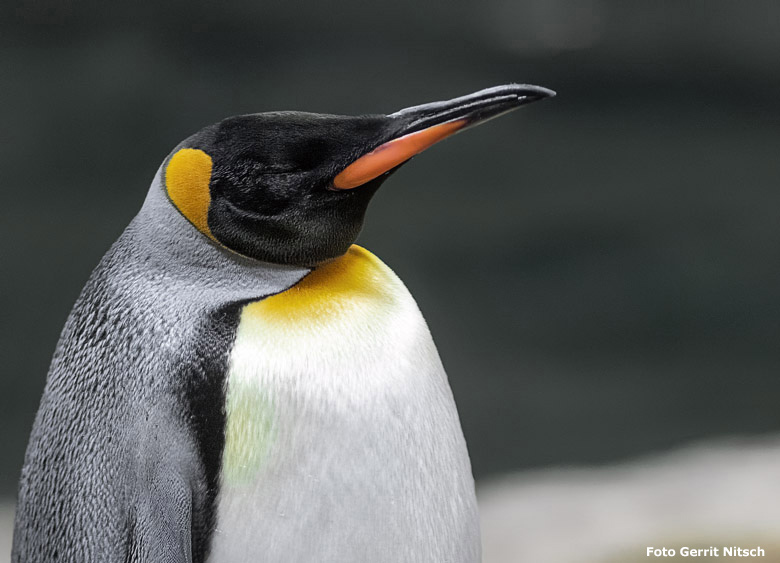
<point>120,424</point>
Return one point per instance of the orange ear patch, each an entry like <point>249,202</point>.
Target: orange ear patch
<point>187,181</point>
<point>393,153</point>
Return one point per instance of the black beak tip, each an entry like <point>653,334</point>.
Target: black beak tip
<point>527,93</point>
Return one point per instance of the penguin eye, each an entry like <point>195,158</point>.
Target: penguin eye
<point>309,153</point>
<point>248,165</point>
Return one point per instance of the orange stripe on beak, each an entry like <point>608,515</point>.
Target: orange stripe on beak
<point>389,155</point>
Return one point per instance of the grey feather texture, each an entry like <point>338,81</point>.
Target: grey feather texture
<point>113,468</point>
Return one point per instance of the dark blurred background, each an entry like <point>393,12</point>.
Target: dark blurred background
<point>600,271</point>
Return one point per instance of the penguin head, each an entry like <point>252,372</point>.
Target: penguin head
<point>293,187</point>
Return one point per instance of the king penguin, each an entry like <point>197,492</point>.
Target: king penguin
<point>238,382</point>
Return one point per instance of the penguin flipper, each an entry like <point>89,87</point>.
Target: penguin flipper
<point>167,510</point>
<point>160,530</point>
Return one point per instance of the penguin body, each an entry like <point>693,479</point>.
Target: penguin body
<point>239,382</point>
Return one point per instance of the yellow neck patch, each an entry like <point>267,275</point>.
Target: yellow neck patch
<point>356,280</point>
<point>187,181</point>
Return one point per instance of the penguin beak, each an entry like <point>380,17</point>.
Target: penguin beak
<point>423,126</point>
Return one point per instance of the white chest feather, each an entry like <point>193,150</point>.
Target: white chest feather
<point>342,442</point>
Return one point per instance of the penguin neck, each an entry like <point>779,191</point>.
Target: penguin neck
<point>169,244</point>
